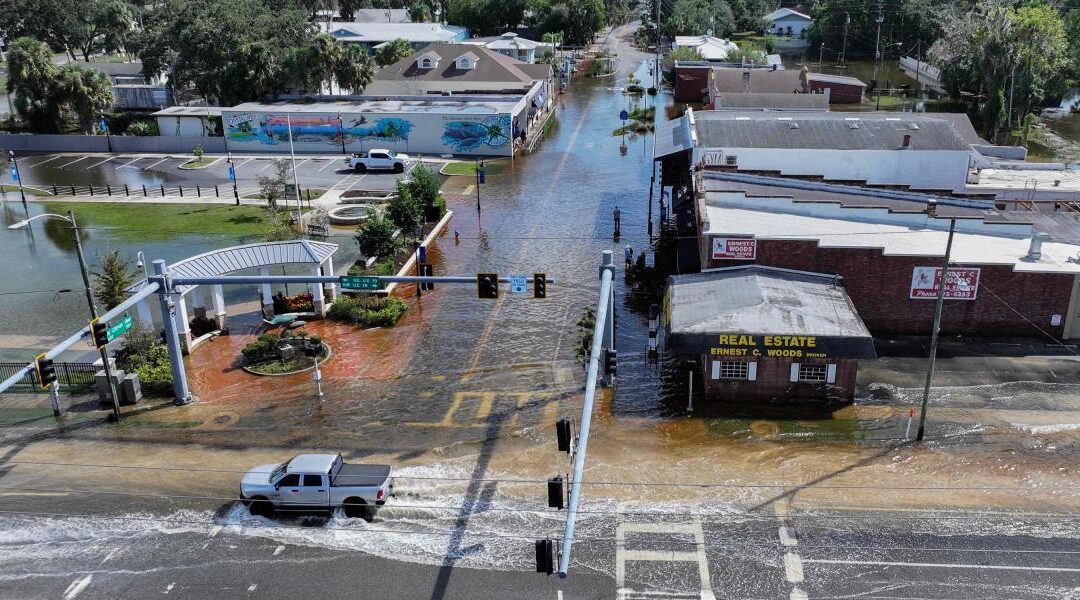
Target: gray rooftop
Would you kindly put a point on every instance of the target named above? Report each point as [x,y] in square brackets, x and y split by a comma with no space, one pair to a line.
[400,104]
[759,300]
[671,137]
[834,131]
[186,111]
[771,101]
[491,67]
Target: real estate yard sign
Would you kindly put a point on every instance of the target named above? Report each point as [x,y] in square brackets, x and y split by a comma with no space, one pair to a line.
[734,248]
[961,284]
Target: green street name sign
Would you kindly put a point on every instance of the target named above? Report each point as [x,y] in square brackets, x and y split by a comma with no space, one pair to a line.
[350,282]
[118,328]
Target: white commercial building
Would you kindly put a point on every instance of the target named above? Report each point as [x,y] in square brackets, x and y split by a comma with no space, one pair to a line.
[512,45]
[709,47]
[372,35]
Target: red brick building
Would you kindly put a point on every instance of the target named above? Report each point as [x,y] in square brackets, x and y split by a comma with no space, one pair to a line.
[766,335]
[1000,284]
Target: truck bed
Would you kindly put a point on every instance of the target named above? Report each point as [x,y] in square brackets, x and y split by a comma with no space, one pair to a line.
[360,475]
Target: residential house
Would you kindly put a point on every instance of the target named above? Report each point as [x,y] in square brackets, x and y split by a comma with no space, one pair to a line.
[512,45]
[708,47]
[789,23]
[372,35]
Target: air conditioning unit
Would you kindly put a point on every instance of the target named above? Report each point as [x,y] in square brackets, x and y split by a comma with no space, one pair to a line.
[731,160]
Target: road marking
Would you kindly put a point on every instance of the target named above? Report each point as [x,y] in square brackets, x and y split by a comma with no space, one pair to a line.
[251,588]
[558,595]
[109,555]
[659,555]
[77,587]
[786,537]
[486,400]
[155,164]
[279,550]
[358,179]
[169,587]
[216,530]
[793,567]
[244,163]
[75,161]
[37,164]
[269,163]
[331,162]
[622,555]
[297,165]
[128,164]
[798,594]
[873,563]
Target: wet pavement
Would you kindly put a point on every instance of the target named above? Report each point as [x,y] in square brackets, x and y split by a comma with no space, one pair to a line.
[461,397]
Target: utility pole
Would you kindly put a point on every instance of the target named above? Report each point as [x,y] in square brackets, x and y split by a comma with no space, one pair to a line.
[843,52]
[15,173]
[820,55]
[656,79]
[932,211]
[877,50]
[296,186]
[1012,88]
[232,176]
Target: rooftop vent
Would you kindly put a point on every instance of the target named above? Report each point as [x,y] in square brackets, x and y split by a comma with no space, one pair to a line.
[914,126]
[852,123]
[793,125]
[1035,249]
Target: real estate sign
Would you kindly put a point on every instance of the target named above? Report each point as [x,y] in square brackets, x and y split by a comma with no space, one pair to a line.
[961,283]
[734,248]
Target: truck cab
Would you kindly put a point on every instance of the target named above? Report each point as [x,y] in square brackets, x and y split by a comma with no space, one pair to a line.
[317,483]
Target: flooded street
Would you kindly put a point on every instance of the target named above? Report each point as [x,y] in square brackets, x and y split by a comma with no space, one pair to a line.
[462,396]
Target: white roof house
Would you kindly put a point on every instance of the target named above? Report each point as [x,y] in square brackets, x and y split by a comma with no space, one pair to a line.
[417,34]
[709,47]
[786,14]
[510,44]
[791,24]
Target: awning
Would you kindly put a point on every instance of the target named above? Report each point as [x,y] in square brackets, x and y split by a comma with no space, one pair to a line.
[541,98]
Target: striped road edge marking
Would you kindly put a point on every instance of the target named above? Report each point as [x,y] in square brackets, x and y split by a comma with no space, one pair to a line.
[882,563]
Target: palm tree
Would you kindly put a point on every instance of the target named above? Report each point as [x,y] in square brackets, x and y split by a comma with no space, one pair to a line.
[355,70]
[86,92]
[31,74]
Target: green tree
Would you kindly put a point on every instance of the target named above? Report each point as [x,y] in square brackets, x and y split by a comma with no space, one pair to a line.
[355,70]
[31,75]
[111,279]
[375,236]
[392,52]
[684,53]
[69,25]
[405,209]
[698,17]
[101,24]
[420,13]
[85,92]
[272,187]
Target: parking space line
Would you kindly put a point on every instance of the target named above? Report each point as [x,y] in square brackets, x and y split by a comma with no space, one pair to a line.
[329,163]
[244,163]
[46,160]
[77,587]
[127,164]
[74,161]
[155,164]
[883,563]
[354,184]
[301,163]
[269,163]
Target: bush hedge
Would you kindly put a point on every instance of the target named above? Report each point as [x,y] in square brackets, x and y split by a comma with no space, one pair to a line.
[368,311]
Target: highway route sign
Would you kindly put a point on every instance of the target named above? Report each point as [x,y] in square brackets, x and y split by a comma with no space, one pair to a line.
[353,282]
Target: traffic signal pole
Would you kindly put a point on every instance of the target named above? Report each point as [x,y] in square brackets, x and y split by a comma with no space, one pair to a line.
[603,337]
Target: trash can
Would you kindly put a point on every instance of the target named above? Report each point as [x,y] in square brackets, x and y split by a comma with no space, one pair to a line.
[130,389]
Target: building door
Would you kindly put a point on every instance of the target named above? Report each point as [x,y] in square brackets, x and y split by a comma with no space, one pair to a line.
[1072,318]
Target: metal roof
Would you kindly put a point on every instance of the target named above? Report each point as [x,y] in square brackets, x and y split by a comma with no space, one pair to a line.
[251,256]
[472,104]
[775,101]
[833,131]
[373,33]
[672,137]
[761,300]
[187,111]
[311,463]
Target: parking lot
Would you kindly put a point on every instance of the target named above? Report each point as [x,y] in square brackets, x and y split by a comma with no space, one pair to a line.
[326,172]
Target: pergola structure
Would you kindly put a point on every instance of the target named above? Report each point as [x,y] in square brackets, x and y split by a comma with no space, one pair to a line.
[262,256]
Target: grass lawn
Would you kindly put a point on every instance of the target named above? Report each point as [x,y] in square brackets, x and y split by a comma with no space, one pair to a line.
[159,221]
[199,163]
[491,167]
[316,193]
[28,190]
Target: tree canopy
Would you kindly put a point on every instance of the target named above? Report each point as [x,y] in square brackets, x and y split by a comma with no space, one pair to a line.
[392,52]
[71,26]
[43,94]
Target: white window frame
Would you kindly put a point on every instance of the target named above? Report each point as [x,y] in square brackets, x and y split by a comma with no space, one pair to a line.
[464,64]
[425,63]
[830,374]
[813,373]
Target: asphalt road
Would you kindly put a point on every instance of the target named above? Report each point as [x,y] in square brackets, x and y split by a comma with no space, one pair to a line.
[46,170]
[118,548]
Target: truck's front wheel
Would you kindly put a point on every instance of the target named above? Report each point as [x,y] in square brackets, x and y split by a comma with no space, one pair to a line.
[260,506]
[357,508]
[399,168]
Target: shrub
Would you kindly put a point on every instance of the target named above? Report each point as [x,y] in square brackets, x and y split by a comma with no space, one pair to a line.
[143,128]
[375,235]
[197,151]
[265,346]
[368,311]
[150,363]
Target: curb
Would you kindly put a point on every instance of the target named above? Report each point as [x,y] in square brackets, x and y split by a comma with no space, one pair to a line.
[329,353]
[410,264]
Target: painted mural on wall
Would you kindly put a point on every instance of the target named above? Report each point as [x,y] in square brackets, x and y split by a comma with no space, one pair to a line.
[274,129]
[463,136]
[387,129]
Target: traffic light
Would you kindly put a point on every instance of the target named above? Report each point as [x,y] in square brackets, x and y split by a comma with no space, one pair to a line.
[427,270]
[101,333]
[610,361]
[545,556]
[539,285]
[487,285]
[564,433]
[46,371]
[555,492]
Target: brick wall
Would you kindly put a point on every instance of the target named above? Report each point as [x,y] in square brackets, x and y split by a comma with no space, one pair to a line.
[691,83]
[774,383]
[879,287]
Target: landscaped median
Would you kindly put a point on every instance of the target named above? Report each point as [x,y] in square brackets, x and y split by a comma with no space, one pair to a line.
[458,168]
[162,221]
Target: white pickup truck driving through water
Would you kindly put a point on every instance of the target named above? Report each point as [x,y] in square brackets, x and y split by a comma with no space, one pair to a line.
[378,159]
[317,482]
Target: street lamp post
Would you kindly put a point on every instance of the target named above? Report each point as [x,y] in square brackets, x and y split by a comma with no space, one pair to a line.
[70,218]
[932,211]
[232,176]
[341,133]
[15,173]
[105,128]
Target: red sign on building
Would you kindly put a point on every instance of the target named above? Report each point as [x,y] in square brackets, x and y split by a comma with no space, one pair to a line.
[961,283]
[734,248]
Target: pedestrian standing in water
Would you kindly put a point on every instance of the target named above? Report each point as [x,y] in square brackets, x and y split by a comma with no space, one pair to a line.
[617,214]
[628,255]
[457,238]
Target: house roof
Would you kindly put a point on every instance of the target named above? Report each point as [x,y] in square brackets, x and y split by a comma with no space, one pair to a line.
[976,242]
[771,101]
[731,79]
[375,33]
[506,41]
[761,300]
[672,136]
[185,111]
[470,104]
[786,12]
[490,67]
[710,48]
[841,79]
[835,131]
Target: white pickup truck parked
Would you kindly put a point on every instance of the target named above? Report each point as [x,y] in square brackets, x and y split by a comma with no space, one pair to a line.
[378,159]
[317,482]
